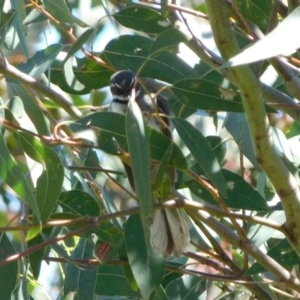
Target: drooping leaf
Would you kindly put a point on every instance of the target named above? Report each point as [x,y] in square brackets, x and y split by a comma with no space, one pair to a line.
[256,11]
[269,46]
[139,149]
[33,17]
[50,181]
[203,153]
[79,43]
[112,282]
[32,110]
[9,272]
[41,61]
[187,287]
[237,126]
[18,27]
[61,12]
[36,258]
[79,280]
[142,259]
[11,174]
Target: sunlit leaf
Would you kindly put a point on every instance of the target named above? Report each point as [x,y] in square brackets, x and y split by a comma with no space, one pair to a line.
[13,177]
[50,181]
[132,51]
[61,12]
[41,61]
[269,46]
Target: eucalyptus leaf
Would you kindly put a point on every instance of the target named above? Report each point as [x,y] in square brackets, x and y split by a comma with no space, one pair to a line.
[11,174]
[142,259]
[203,153]
[51,177]
[269,46]
[142,19]
[78,280]
[139,150]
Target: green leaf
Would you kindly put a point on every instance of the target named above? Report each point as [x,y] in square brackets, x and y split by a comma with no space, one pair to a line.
[168,39]
[89,74]
[256,11]
[19,29]
[237,126]
[112,127]
[111,282]
[11,174]
[159,144]
[78,280]
[160,172]
[36,258]
[240,194]
[269,46]
[49,183]
[61,12]
[139,149]
[142,19]
[34,16]
[148,268]
[206,95]
[218,145]
[79,43]
[33,111]
[187,287]
[127,52]
[132,52]
[203,153]
[111,207]
[179,109]
[41,61]
[283,253]
[127,268]
[79,203]
[9,273]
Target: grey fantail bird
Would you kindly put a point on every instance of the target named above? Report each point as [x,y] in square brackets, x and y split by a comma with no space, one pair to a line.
[169,231]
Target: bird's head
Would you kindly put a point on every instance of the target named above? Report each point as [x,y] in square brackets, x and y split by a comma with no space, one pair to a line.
[121,84]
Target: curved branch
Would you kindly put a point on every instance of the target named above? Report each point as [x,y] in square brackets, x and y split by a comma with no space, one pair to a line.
[10,71]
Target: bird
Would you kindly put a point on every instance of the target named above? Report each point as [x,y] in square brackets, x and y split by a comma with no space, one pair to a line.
[169,233]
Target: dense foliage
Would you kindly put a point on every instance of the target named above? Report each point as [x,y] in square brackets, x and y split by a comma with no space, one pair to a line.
[65,198]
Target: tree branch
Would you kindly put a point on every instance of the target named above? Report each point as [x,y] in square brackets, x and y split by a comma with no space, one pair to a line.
[250,89]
